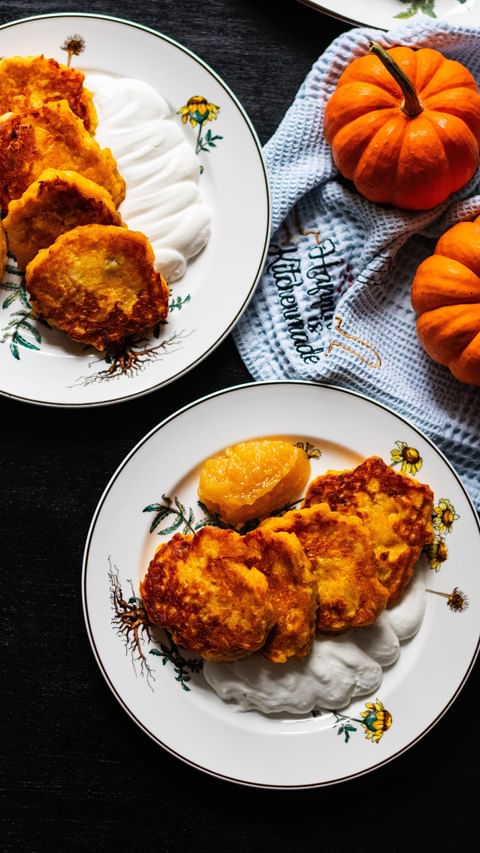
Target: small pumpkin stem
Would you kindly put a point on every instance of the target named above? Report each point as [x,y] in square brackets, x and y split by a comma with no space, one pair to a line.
[411,103]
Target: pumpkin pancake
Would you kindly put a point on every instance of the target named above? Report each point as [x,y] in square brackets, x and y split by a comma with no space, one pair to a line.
[52,136]
[98,284]
[202,589]
[350,594]
[224,596]
[394,509]
[57,202]
[292,591]
[27,82]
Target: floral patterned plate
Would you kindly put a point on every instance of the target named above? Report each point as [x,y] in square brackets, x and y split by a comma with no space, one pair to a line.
[41,365]
[153,494]
[387,14]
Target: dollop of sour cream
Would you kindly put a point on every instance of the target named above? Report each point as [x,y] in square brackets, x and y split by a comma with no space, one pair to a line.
[160,168]
[337,670]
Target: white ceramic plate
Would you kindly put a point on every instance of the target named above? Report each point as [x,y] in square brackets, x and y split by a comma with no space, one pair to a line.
[218,283]
[384,14]
[194,724]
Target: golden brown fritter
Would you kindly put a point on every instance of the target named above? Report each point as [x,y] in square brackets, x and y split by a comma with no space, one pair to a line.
[98,284]
[350,594]
[3,251]
[57,202]
[394,509]
[52,137]
[27,82]
[203,591]
[292,591]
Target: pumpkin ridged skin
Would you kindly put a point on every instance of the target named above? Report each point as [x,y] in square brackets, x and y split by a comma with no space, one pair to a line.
[467,366]
[413,162]
[462,243]
[446,298]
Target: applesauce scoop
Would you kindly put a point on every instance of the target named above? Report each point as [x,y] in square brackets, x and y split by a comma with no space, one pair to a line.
[252,479]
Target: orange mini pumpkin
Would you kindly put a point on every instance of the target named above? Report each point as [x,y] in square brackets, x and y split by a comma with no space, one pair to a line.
[446,298]
[404,126]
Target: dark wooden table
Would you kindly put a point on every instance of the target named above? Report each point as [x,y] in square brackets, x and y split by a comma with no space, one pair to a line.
[77,774]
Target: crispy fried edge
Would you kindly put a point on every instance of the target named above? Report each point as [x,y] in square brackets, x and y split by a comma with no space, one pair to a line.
[79,98]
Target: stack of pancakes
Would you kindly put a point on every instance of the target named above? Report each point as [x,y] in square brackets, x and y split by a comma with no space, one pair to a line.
[85,272]
[333,564]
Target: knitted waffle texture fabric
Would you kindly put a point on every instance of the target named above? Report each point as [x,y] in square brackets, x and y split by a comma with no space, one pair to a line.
[333,303]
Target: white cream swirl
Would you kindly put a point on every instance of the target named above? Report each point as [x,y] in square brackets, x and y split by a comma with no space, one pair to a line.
[160,169]
[337,670]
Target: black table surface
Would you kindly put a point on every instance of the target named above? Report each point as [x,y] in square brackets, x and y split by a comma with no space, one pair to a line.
[77,774]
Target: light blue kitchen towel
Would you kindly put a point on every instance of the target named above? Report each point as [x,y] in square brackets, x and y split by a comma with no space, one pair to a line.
[333,303]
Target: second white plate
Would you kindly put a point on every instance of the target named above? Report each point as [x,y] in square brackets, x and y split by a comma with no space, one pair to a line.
[168,697]
[387,14]
[41,365]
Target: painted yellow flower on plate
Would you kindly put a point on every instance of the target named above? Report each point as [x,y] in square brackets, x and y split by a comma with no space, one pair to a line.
[407,457]
[437,552]
[198,110]
[444,515]
[376,721]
